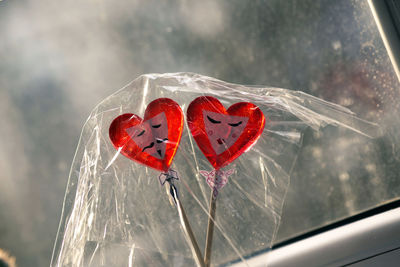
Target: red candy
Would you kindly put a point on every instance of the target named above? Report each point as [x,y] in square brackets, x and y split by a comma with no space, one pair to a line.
[152,141]
[223,135]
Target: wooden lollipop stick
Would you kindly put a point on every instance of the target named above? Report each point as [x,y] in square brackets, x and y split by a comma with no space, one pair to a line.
[210,227]
[186,227]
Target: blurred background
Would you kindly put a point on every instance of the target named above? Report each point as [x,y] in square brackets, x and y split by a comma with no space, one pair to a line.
[58,59]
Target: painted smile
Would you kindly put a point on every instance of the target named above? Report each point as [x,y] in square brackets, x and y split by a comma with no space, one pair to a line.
[149,146]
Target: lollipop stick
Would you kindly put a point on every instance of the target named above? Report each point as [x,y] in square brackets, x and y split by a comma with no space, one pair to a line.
[210,228]
[186,227]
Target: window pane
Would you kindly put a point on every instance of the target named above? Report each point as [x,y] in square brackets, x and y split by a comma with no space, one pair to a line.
[58,60]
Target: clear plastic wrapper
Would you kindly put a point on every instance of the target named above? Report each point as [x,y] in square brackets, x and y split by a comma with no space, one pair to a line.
[117,213]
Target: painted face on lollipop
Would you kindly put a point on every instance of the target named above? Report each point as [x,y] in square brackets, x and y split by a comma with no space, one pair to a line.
[153,140]
[151,135]
[224,134]
[223,130]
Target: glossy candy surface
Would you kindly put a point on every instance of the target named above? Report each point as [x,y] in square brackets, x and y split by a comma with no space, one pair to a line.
[224,134]
[153,140]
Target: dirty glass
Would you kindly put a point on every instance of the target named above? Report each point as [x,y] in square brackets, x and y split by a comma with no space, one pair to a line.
[58,60]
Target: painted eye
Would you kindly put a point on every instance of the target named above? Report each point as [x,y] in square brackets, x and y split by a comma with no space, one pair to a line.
[235,124]
[212,120]
[156,126]
[141,133]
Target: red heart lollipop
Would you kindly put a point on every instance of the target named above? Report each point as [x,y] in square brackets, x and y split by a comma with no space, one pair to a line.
[223,135]
[154,140]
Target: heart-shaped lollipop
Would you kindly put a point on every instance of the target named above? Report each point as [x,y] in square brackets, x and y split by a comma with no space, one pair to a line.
[152,141]
[223,135]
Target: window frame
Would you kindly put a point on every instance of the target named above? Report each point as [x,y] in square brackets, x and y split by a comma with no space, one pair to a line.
[361,241]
